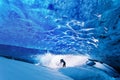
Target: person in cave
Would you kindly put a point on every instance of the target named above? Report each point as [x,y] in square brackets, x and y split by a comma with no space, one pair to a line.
[63,62]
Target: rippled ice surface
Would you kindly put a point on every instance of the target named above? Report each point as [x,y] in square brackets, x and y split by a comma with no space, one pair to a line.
[33,24]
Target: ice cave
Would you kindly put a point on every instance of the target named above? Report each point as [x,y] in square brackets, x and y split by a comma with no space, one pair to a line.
[59,40]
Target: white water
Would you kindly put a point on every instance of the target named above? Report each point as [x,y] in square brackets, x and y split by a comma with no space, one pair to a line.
[53,61]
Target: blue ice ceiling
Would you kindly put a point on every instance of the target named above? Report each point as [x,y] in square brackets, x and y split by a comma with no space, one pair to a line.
[49,25]
[57,25]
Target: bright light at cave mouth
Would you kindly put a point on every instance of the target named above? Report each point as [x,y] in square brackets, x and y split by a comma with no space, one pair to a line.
[53,61]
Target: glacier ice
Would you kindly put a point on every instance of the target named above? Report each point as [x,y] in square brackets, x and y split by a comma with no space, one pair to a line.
[109,39]
[33,27]
[25,71]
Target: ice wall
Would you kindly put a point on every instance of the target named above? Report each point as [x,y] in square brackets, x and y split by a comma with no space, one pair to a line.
[108,28]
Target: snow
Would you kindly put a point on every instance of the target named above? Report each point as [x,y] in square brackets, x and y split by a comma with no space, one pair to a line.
[53,61]
[85,73]
[107,69]
[74,61]
[16,70]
